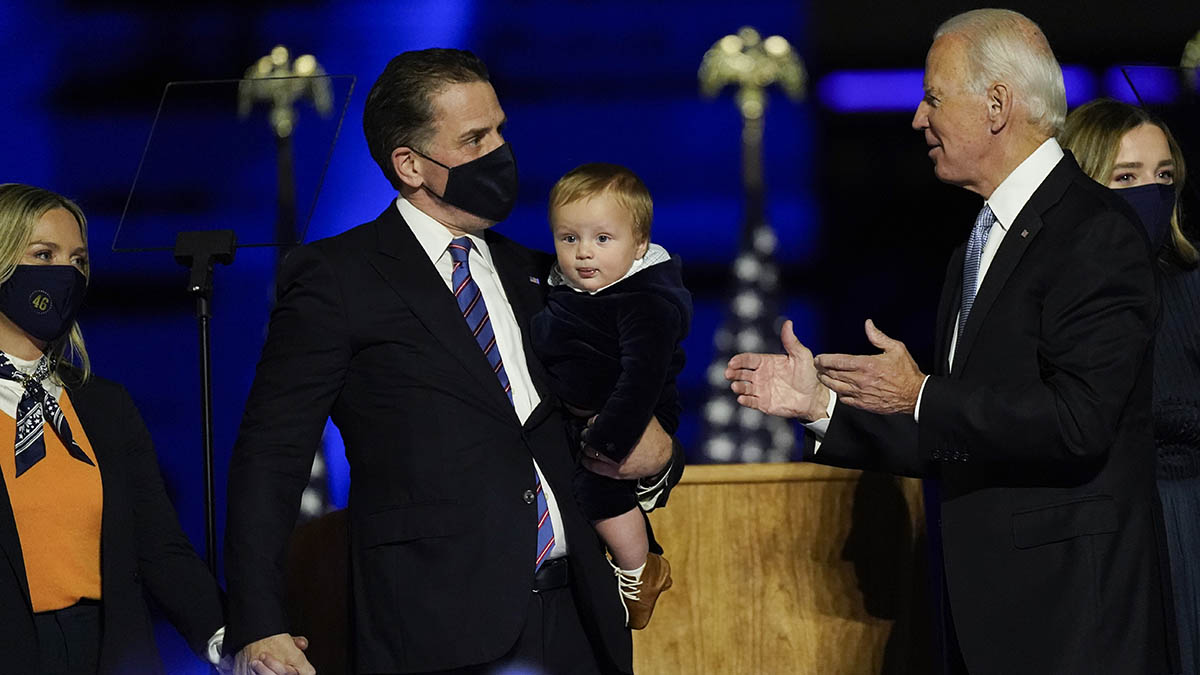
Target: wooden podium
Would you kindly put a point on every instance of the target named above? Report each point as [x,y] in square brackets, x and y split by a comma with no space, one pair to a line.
[778,568]
[790,568]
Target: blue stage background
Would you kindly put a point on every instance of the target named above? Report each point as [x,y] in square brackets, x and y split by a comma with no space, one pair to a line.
[847,182]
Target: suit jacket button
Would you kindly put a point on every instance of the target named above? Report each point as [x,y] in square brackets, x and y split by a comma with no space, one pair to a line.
[529,496]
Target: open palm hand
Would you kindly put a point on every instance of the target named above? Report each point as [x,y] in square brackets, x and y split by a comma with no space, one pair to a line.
[784,385]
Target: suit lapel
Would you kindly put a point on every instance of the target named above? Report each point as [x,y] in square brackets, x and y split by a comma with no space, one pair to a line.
[1020,235]
[1016,240]
[409,272]
[99,427]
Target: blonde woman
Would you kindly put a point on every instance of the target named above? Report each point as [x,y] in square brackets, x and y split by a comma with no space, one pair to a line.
[1127,149]
[85,524]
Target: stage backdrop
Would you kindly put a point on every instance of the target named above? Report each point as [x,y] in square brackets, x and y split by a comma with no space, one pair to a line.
[863,228]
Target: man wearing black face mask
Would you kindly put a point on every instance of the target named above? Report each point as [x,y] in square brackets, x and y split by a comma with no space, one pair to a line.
[467,550]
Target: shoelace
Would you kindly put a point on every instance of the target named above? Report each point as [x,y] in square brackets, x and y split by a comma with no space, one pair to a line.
[630,586]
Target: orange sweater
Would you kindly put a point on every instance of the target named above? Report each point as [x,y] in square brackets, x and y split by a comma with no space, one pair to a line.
[57,505]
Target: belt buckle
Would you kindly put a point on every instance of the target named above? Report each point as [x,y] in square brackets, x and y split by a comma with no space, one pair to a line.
[550,573]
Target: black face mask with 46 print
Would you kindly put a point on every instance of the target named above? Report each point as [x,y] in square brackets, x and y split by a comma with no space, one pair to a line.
[43,299]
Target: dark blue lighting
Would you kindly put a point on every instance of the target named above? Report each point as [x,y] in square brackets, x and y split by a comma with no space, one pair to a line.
[866,91]
[1152,84]
[1080,84]
[855,91]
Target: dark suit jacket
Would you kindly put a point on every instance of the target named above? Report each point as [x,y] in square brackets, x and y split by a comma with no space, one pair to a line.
[442,534]
[1041,435]
[142,548]
[617,353]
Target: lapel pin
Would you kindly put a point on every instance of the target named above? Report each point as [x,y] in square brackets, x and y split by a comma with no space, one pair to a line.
[535,281]
[1024,233]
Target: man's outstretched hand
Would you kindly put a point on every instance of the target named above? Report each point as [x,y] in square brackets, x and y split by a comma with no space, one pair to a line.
[883,383]
[784,385]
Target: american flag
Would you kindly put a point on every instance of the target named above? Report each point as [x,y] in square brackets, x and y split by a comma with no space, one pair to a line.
[751,324]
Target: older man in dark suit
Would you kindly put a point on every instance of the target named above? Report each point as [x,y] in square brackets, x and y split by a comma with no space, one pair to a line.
[1037,415]
[467,550]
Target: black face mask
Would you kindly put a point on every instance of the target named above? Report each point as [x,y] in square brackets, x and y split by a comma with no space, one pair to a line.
[43,299]
[1154,204]
[485,186]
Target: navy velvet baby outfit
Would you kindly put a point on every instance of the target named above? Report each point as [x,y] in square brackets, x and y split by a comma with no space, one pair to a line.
[616,353]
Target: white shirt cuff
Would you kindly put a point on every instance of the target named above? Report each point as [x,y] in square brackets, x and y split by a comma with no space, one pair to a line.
[648,495]
[917,410]
[215,643]
[819,427]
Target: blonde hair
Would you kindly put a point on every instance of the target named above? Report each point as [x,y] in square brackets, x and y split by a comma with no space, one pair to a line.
[1093,134]
[21,207]
[1006,46]
[590,180]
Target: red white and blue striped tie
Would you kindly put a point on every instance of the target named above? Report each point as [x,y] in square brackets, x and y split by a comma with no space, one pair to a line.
[475,312]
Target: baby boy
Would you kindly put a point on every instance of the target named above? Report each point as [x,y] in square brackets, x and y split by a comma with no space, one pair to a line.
[609,336]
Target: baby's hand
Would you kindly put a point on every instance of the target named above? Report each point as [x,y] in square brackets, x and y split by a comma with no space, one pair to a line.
[589,451]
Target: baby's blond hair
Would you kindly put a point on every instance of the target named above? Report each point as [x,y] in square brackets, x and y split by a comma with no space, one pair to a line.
[597,178]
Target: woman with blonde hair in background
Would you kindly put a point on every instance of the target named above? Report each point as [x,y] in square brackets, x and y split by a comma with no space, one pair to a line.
[85,522]
[1129,150]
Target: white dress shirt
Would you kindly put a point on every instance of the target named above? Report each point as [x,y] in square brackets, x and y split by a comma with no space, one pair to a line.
[434,238]
[1006,202]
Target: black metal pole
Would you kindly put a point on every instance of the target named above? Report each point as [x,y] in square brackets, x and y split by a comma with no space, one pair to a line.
[285,220]
[198,251]
[203,318]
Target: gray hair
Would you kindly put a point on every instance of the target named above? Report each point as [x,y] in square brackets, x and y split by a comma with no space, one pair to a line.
[1006,46]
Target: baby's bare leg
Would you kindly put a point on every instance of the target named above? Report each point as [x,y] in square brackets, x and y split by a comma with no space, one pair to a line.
[625,536]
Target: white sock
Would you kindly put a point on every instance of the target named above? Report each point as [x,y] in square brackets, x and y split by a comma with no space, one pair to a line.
[635,575]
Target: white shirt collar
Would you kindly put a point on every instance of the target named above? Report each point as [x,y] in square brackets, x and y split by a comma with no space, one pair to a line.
[1015,190]
[12,391]
[654,255]
[24,365]
[433,237]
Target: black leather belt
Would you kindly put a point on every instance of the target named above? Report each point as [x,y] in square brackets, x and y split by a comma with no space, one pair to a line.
[552,574]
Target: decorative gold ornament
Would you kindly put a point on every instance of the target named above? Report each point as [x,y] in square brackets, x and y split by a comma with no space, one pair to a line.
[1190,61]
[752,64]
[280,81]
